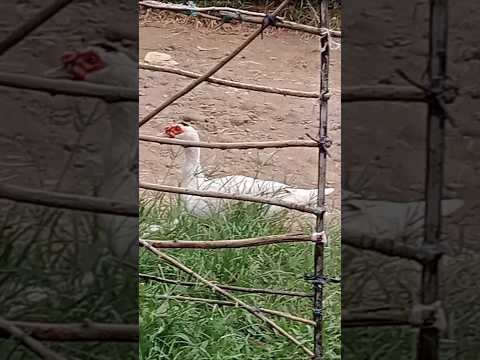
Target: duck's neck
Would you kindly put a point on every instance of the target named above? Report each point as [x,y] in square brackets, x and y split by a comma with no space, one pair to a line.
[192,168]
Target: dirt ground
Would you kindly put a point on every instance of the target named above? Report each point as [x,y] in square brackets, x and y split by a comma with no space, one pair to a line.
[282,59]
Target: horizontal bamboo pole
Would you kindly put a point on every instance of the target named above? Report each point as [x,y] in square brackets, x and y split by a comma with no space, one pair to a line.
[391,248]
[228,244]
[40,17]
[178,7]
[228,146]
[382,93]
[251,309]
[34,345]
[219,195]
[230,303]
[68,87]
[375,318]
[242,15]
[77,332]
[67,201]
[228,287]
[234,84]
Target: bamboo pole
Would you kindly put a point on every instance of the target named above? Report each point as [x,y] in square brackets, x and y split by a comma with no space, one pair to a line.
[234,84]
[172,261]
[213,70]
[241,15]
[67,201]
[220,195]
[383,93]
[230,303]
[228,244]
[229,146]
[429,338]
[392,248]
[68,87]
[34,345]
[322,172]
[179,7]
[30,25]
[87,331]
[228,287]
[380,318]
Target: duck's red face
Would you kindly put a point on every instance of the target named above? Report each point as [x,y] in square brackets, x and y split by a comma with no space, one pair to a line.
[173,130]
[79,65]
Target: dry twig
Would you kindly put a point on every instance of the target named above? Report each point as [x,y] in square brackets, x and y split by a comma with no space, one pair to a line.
[228,287]
[69,87]
[23,30]
[226,146]
[215,194]
[241,15]
[229,244]
[76,332]
[230,303]
[34,345]
[392,248]
[234,84]
[67,201]
[382,93]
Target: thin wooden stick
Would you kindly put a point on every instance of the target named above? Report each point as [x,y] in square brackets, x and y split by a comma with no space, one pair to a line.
[172,261]
[230,303]
[391,248]
[246,16]
[383,93]
[229,287]
[234,84]
[77,332]
[38,19]
[429,338]
[213,70]
[215,194]
[168,6]
[296,27]
[229,244]
[227,146]
[318,266]
[34,345]
[68,87]
[376,318]
[67,201]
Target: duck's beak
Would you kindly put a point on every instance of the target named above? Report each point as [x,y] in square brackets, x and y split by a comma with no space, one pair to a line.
[58,72]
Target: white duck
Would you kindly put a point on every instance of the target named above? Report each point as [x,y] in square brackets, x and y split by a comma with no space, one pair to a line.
[106,63]
[194,178]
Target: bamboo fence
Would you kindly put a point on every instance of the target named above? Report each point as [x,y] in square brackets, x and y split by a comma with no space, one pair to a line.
[318,238]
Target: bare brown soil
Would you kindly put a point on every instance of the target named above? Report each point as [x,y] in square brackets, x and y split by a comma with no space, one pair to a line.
[282,59]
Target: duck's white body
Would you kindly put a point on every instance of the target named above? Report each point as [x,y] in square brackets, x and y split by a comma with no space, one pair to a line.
[194,178]
[387,220]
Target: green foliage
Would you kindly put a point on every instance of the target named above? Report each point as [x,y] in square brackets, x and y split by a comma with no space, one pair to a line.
[183,330]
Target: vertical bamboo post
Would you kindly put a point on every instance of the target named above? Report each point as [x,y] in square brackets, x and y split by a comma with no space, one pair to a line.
[323,119]
[428,339]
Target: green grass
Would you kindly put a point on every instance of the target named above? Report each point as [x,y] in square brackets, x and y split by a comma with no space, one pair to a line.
[192,331]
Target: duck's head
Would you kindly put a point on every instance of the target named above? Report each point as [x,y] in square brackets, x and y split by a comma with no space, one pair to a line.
[182,131]
[101,63]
